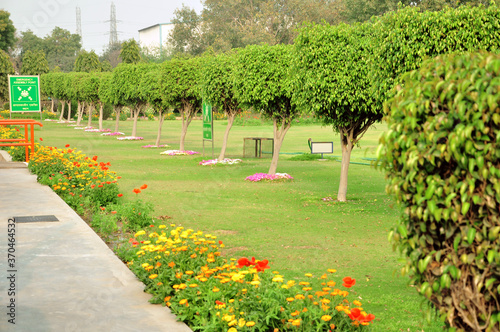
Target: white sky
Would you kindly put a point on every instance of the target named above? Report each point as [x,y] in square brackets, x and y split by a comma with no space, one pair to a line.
[41,16]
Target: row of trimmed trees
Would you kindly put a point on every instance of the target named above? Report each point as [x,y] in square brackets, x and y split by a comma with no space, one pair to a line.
[343,73]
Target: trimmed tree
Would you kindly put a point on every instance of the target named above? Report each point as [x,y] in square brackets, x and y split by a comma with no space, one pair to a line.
[151,88]
[332,74]
[406,37]
[442,157]
[217,88]
[87,62]
[181,86]
[77,83]
[126,89]
[264,82]
[105,94]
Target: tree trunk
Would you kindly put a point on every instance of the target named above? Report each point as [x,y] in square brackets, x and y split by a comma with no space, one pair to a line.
[52,105]
[63,103]
[117,121]
[187,113]
[346,143]
[69,110]
[230,120]
[160,124]
[90,110]
[135,111]
[101,106]
[279,135]
[78,114]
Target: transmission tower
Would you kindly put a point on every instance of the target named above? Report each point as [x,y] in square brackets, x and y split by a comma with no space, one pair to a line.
[113,34]
[79,23]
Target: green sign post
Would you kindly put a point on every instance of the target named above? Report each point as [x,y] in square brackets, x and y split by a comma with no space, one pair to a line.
[24,94]
[208,125]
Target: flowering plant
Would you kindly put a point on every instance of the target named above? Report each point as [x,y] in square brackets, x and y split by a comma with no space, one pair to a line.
[185,270]
[116,133]
[92,130]
[154,146]
[268,177]
[130,138]
[178,153]
[225,161]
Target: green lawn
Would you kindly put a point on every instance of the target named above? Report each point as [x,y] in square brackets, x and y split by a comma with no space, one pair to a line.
[287,223]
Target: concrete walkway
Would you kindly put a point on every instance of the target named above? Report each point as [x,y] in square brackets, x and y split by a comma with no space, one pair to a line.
[64,276]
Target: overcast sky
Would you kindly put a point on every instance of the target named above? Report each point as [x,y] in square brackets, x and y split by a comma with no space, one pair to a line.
[41,16]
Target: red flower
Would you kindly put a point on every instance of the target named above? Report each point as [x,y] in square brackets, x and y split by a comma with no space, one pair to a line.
[355,314]
[220,242]
[69,151]
[120,195]
[113,212]
[262,265]
[348,282]
[133,242]
[219,302]
[103,208]
[94,158]
[144,186]
[137,191]
[67,146]
[151,225]
[245,262]
[41,139]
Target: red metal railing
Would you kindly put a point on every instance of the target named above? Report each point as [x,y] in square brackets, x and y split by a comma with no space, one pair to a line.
[28,141]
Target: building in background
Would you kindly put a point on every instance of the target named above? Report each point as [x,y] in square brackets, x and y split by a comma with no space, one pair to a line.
[155,38]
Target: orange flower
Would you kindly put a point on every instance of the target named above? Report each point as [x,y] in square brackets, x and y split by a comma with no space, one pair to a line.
[348,282]
[41,139]
[67,146]
[144,186]
[137,191]
[120,195]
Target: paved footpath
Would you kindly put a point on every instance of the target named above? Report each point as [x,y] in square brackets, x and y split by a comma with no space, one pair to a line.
[64,277]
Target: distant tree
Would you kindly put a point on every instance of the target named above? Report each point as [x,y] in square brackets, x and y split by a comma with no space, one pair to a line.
[112,55]
[31,42]
[87,62]
[62,48]
[131,52]
[6,69]
[263,81]
[34,63]
[186,36]
[106,66]
[7,31]
[181,79]
[217,88]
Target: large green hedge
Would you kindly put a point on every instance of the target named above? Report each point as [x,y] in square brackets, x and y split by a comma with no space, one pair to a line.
[442,157]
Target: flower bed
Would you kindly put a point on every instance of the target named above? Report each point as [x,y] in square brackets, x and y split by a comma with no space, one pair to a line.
[178,153]
[268,177]
[184,270]
[130,138]
[154,146]
[116,133]
[225,161]
[92,130]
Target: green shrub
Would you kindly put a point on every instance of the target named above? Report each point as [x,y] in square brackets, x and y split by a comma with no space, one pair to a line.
[442,157]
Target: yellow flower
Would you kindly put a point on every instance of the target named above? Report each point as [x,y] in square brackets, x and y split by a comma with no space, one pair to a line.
[193,285]
[241,322]
[332,270]
[139,233]
[250,324]
[308,275]
[255,282]
[215,289]
[278,278]
[153,276]
[326,318]
[232,329]
[290,299]
[162,226]
[183,301]
[296,322]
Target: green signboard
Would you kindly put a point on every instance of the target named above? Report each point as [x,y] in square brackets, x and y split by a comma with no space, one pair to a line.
[208,131]
[24,94]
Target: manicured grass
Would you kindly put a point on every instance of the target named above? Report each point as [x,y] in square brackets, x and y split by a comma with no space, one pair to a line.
[287,223]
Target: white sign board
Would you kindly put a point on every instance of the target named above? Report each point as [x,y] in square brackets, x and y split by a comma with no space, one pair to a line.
[321,147]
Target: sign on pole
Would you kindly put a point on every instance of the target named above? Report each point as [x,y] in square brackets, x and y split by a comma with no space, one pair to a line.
[208,131]
[24,93]
[208,125]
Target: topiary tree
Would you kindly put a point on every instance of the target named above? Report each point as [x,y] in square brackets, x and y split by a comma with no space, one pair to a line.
[217,88]
[181,80]
[6,69]
[105,94]
[34,63]
[406,37]
[77,84]
[126,89]
[61,90]
[90,94]
[263,81]
[333,81]
[151,88]
[130,52]
[442,157]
